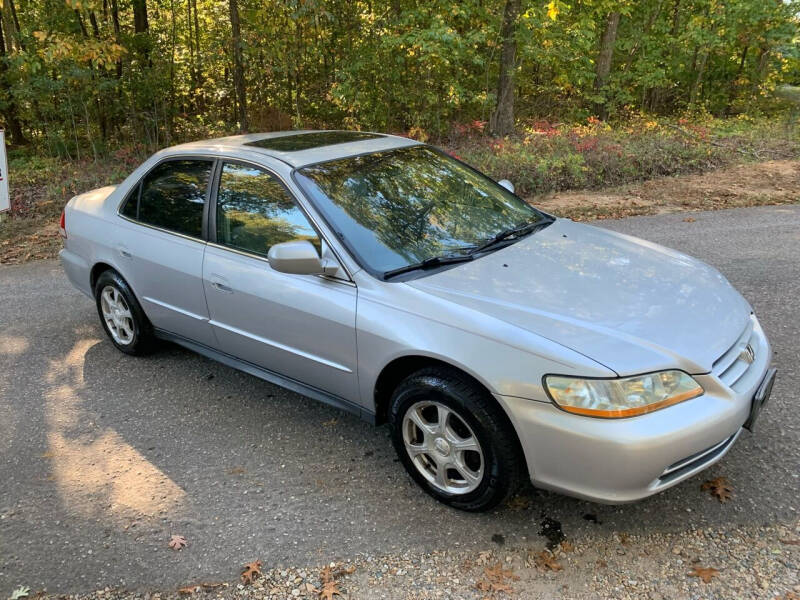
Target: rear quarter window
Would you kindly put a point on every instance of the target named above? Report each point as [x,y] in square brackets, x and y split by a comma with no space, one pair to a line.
[172,196]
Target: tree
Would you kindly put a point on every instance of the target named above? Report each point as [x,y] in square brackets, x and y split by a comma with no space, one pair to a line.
[604,59]
[502,120]
[12,118]
[238,70]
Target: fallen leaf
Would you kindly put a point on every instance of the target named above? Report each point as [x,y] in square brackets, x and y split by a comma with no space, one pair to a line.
[789,542]
[519,503]
[189,589]
[333,421]
[330,587]
[21,592]
[199,587]
[719,488]
[496,579]
[690,219]
[601,564]
[565,547]
[237,471]
[624,539]
[545,560]
[250,571]
[176,542]
[704,573]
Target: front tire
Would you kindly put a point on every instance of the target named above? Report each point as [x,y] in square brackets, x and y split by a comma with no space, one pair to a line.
[122,317]
[454,439]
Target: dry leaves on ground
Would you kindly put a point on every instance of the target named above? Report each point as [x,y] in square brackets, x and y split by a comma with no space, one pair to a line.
[251,571]
[176,542]
[496,580]
[519,503]
[565,547]
[545,560]
[199,587]
[704,573]
[719,488]
[330,587]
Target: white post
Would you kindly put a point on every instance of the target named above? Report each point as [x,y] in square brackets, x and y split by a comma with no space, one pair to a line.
[5,199]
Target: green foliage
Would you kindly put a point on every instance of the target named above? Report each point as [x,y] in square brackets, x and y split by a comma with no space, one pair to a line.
[80,86]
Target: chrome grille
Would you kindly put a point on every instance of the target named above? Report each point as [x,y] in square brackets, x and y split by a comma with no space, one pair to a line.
[731,368]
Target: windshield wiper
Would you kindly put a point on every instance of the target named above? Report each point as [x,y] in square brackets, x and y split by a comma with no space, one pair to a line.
[512,232]
[435,261]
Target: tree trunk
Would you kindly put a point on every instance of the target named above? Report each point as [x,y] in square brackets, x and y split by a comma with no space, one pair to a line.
[140,24]
[604,62]
[502,120]
[238,69]
[11,118]
[16,27]
[199,66]
[698,80]
[117,35]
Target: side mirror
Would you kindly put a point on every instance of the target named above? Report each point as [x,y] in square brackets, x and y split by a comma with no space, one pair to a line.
[506,184]
[299,258]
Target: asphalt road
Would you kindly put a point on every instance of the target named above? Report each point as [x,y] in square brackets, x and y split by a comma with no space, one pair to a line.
[104,456]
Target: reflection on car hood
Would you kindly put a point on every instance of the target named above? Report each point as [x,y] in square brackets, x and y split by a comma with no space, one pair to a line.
[627,303]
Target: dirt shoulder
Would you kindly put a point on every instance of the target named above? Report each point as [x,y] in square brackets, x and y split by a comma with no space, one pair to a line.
[34,235]
[749,184]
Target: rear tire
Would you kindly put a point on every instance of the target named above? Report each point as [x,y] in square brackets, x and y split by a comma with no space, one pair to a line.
[455,440]
[122,317]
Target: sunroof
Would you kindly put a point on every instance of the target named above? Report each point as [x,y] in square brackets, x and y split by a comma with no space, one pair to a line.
[314,139]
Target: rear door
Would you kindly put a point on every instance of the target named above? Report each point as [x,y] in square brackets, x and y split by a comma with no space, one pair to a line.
[162,246]
[300,326]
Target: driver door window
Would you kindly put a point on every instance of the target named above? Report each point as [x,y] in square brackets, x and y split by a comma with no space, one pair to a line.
[255,211]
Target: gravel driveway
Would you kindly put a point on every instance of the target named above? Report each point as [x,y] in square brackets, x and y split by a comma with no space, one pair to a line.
[105,456]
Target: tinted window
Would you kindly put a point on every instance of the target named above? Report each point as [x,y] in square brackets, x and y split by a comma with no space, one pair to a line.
[254,211]
[173,195]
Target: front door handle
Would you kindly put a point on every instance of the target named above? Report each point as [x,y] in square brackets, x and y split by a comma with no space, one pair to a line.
[219,283]
[123,251]
[221,287]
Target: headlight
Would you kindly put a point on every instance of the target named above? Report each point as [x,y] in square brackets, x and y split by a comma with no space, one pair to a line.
[627,397]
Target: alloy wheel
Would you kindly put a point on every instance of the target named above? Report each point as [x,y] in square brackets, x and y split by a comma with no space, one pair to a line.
[443,448]
[117,315]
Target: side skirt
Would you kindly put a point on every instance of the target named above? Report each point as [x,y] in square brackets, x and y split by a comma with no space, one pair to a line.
[267,375]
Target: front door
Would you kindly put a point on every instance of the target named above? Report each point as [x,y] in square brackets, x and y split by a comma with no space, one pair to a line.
[299,326]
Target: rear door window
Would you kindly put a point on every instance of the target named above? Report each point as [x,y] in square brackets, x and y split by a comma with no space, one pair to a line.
[173,195]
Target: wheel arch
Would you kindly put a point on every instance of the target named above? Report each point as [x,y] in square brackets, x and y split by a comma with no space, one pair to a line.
[97,269]
[401,367]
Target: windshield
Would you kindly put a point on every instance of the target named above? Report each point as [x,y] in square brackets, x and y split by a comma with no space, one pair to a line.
[407,205]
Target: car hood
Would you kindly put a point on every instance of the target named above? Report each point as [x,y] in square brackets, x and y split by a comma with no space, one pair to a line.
[629,304]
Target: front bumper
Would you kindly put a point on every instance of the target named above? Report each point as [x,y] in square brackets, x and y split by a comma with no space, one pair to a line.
[615,461]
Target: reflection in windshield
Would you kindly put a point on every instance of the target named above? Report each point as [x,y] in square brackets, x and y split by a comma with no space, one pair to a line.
[407,205]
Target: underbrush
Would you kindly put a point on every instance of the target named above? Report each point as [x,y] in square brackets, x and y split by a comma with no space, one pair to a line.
[550,157]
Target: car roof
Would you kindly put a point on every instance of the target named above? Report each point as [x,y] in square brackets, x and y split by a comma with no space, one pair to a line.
[301,147]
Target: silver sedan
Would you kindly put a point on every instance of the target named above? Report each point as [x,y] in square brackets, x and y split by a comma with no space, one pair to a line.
[387,278]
